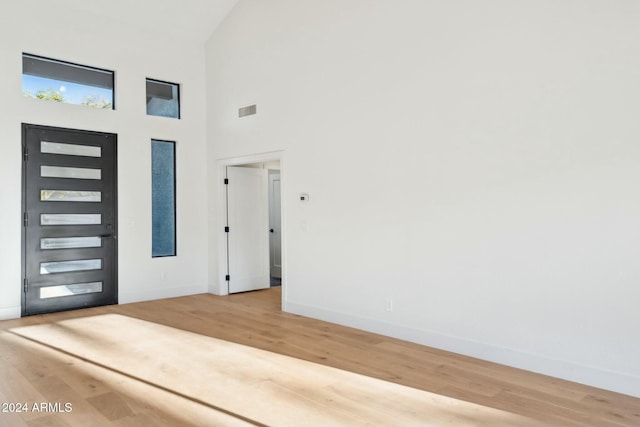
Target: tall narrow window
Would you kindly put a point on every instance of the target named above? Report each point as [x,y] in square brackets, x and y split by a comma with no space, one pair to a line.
[163,198]
[163,99]
[59,81]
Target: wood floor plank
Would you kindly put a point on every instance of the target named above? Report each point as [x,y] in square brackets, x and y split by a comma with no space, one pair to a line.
[47,421]
[107,395]
[111,405]
[624,407]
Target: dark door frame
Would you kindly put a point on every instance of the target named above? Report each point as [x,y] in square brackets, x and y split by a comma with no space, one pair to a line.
[114,229]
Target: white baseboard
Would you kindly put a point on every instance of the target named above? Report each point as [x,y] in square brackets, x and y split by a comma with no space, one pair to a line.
[126,297]
[596,377]
[159,293]
[10,313]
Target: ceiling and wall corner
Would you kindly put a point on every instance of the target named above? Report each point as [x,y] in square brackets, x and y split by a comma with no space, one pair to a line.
[483,167]
[187,21]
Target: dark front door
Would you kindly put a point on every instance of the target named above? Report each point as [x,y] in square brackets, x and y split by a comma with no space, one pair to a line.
[69,200]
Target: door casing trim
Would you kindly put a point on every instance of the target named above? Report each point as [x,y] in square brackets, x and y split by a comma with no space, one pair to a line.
[221,212]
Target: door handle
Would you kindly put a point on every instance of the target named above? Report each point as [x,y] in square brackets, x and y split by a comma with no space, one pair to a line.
[271,230]
[109,228]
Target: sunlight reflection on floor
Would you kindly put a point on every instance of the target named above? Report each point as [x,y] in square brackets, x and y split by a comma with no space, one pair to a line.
[253,386]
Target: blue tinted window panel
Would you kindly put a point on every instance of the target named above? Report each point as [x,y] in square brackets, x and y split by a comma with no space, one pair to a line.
[163,99]
[163,194]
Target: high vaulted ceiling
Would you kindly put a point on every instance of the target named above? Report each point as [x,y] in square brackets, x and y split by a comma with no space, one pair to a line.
[184,19]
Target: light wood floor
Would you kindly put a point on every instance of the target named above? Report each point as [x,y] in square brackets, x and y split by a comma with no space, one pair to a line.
[238,360]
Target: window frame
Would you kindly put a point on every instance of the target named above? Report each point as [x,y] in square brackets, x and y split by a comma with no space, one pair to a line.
[178,96]
[73,64]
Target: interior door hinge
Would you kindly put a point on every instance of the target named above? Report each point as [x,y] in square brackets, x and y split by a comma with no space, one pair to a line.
[26,285]
[227,278]
[226,181]
[226,229]
[25,153]
[26,219]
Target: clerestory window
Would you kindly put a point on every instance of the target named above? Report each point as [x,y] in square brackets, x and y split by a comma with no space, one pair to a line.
[59,81]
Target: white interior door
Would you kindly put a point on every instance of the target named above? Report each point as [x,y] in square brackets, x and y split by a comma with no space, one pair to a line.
[248,235]
[275,236]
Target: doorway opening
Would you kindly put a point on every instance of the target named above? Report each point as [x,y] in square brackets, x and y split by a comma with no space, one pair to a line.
[253,240]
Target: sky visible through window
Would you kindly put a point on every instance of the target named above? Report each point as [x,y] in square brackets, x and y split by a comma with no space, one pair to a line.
[70,93]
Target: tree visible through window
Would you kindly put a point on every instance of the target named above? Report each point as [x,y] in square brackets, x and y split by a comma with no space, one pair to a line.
[58,81]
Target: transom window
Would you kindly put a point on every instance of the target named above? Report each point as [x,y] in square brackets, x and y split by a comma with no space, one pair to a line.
[163,99]
[60,81]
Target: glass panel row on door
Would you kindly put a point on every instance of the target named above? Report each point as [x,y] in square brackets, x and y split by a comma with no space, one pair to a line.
[69,239]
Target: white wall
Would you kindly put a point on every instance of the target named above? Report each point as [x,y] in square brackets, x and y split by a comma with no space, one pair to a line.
[475,162]
[40,28]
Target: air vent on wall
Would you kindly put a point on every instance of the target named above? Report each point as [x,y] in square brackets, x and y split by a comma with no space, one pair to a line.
[247,111]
